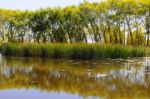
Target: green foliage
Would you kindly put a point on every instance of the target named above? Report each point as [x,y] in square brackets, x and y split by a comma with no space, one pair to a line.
[113,25]
[108,21]
[74,51]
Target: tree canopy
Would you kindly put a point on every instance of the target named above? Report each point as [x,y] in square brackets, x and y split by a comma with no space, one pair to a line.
[108,21]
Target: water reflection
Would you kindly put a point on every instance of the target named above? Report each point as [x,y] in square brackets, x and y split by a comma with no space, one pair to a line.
[75,79]
[26,94]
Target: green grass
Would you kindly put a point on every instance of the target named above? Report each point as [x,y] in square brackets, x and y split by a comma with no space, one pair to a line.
[72,51]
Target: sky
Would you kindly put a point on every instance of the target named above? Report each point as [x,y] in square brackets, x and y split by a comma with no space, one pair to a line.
[36,4]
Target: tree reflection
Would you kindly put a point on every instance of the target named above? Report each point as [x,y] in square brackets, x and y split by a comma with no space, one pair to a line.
[102,80]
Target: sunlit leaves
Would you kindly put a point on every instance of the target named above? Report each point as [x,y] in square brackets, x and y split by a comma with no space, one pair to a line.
[107,21]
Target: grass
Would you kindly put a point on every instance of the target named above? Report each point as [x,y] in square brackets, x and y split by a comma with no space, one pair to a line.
[71,51]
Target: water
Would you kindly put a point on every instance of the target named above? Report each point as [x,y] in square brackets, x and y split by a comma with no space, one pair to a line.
[30,78]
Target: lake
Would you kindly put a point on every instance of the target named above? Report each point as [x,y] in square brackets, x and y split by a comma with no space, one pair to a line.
[35,78]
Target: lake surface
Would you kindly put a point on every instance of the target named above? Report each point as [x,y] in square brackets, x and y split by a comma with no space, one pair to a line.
[30,78]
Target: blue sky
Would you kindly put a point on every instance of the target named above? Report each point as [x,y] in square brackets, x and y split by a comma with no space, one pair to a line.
[36,4]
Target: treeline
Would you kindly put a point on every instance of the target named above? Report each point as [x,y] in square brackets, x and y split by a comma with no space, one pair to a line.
[108,22]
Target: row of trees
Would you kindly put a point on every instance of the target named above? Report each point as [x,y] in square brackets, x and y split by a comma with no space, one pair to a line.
[109,21]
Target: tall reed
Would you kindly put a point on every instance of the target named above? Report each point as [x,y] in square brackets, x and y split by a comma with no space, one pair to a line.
[72,51]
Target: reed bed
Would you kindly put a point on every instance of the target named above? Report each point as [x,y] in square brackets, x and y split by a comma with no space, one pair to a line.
[72,51]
